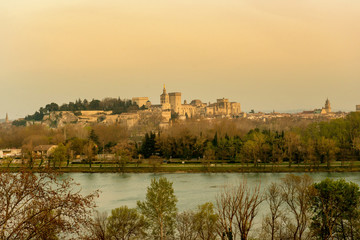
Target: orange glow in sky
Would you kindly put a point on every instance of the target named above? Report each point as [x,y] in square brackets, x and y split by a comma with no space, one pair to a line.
[267,55]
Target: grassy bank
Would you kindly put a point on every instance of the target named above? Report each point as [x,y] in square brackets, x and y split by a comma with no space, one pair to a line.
[195,168]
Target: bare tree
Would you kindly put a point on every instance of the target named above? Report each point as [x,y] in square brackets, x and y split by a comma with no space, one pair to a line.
[97,228]
[248,205]
[272,222]
[296,193]
[237,207]
[185,226]
[226,205]
[41,207]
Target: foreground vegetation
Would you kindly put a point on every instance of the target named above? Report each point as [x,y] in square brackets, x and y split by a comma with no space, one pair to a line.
[39,206]
[296,208]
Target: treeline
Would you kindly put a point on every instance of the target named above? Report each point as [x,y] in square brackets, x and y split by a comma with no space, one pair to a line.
[228,141]
[295,208]
[116,105]
[315,143]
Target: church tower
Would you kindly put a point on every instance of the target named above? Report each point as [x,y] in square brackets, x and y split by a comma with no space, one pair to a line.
[327,106]
[7,118]
[164,100]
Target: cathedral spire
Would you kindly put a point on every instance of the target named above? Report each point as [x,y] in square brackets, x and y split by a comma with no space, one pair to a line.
[7,118]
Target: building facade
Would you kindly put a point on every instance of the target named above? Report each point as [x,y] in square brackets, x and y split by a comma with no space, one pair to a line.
[140,101]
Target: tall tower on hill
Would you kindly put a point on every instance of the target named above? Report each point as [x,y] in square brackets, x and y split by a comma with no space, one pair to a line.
[164,100]
[7,118]
[327,106]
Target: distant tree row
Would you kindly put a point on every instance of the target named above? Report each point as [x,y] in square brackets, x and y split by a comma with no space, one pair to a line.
[318,142]
[116,105]
[233,140]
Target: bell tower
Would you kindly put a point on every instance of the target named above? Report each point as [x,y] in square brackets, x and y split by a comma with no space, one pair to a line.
[327,106]
[164,100]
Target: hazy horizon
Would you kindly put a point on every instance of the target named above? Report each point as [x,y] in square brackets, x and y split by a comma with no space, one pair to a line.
[281,55]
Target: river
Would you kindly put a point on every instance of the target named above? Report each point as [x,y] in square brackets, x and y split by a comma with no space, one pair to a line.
[191,189]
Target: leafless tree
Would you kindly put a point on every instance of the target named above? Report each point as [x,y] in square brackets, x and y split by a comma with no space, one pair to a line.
[226,205]
[296,193]
[237,208]
[185,226]
[272,222]
[248,205]
[97,228]
[41,207]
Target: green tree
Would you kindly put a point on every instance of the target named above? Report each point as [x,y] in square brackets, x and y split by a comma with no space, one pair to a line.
[326,149]
[94,137]
[148,147]
[59,155]
[292,142]
[123,152]
[90,149]
[159,208]
[335,205]
[205,221]
[126,223]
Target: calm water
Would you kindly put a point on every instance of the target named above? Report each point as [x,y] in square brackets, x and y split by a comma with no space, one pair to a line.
[191,189]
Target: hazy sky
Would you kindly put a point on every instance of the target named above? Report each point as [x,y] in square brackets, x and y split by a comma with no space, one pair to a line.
[265,54]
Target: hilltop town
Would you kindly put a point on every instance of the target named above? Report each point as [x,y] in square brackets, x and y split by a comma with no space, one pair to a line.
[141,112]
[136,129]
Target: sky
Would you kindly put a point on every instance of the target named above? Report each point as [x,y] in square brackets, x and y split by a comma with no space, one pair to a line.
[266,54]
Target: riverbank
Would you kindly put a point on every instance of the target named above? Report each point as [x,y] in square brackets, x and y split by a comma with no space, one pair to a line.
[193,168]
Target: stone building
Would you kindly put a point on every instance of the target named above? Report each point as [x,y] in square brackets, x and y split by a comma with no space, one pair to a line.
[140,101]
[172,101]
[175,101]
[224,107]
[324,110]
[165,100]
[358,108]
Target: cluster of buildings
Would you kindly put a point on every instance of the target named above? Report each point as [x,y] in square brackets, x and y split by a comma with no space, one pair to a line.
[323,113]
[171,104]
[38,152]
[324,110]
